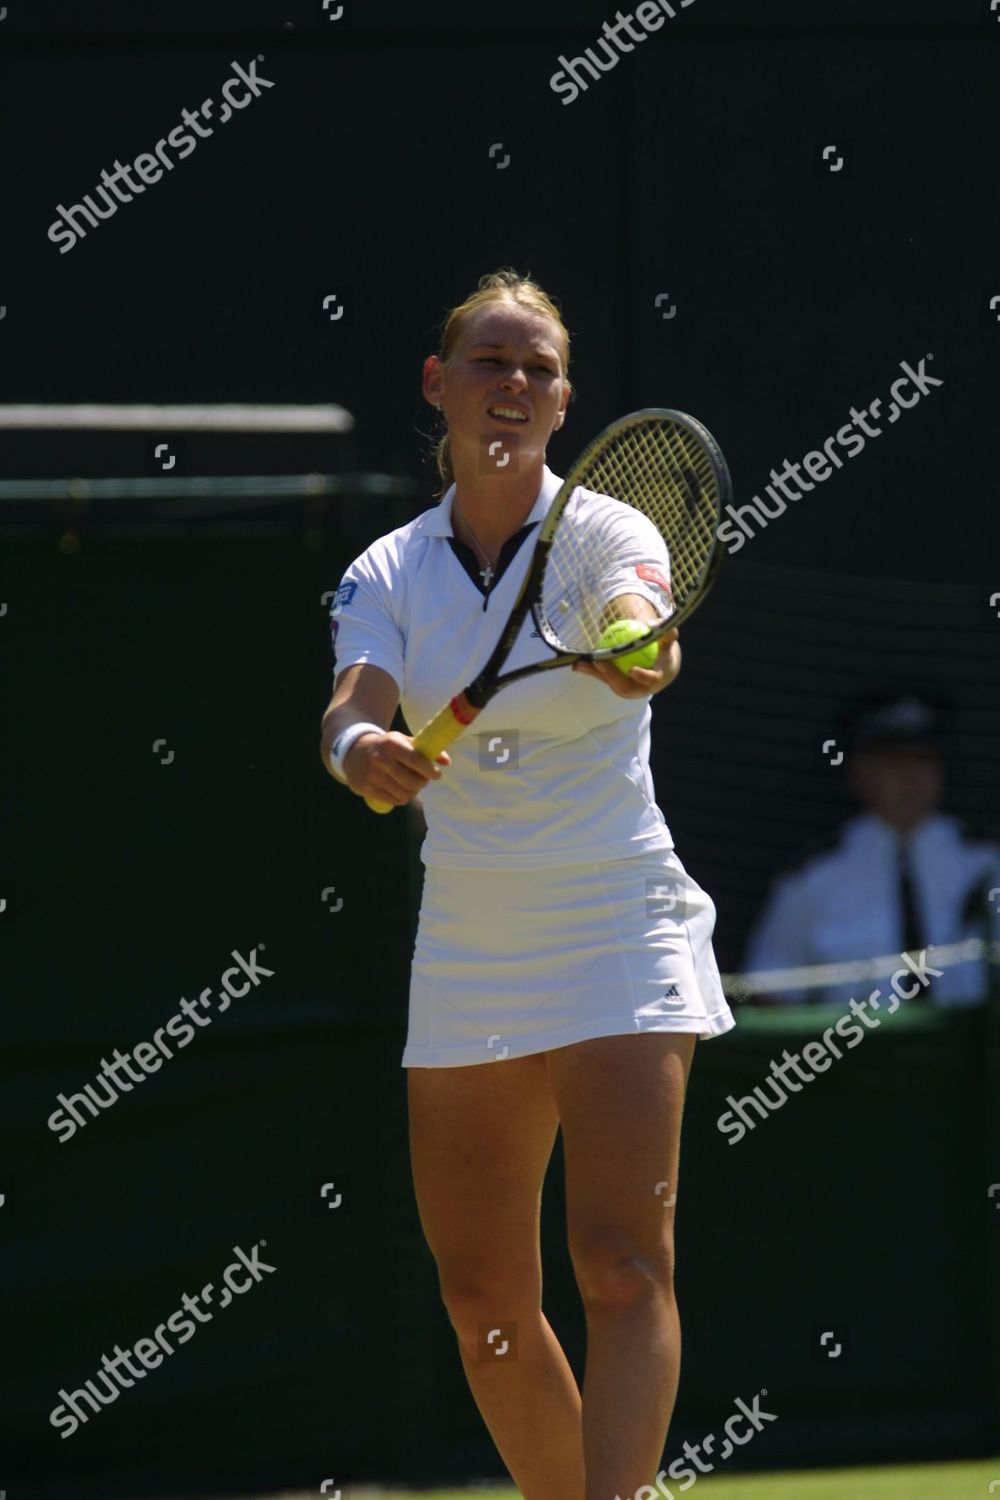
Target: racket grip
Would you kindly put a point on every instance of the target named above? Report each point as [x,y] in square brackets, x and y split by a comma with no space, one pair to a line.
[436,735]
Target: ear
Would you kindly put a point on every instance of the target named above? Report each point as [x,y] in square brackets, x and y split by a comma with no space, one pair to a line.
[561,414]
[433,381]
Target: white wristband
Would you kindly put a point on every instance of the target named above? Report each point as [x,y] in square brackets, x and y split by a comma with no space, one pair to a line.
[343,743]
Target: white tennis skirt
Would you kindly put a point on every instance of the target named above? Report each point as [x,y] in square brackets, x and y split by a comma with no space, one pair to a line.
[510,962]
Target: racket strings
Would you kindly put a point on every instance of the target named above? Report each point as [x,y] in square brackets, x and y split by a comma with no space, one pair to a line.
[660,470]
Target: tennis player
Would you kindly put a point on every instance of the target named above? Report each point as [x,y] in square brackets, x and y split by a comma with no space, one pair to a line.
[563,967]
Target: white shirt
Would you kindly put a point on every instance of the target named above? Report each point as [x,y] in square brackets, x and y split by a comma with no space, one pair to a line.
[556,768]
[846,904]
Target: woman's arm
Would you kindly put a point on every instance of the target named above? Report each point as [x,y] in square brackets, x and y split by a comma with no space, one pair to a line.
[384,767]
[360,693]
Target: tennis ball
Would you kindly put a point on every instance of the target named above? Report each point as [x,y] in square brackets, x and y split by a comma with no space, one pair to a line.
[621,631]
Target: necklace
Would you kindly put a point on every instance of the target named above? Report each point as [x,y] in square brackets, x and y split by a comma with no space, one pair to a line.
[486,574]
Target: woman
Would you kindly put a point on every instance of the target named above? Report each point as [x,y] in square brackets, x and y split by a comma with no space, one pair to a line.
[559,934]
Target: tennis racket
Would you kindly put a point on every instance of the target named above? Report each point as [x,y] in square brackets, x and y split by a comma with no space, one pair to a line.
[654,480]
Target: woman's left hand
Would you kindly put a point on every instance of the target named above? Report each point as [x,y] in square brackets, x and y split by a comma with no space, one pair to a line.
[640,682]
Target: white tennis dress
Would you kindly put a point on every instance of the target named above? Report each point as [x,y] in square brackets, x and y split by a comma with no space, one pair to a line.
[554,907]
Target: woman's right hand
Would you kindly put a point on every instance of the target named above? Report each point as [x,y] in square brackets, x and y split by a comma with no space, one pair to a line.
[386,768]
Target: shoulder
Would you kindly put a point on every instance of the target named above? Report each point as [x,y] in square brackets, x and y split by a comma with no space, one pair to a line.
[820,856]
[594,507]
[975,831]
[397,550]
[975,840]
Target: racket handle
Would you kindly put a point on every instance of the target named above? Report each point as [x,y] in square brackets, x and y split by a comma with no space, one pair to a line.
[436,735]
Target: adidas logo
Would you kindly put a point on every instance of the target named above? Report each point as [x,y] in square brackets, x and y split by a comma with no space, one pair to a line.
[672,993]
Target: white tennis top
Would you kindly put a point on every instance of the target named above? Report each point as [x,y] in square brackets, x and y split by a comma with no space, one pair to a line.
[556,768]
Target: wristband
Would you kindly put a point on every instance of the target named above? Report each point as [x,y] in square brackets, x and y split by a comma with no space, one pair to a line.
[343,743]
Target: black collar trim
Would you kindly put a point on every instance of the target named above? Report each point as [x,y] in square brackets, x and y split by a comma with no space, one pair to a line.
[470,562]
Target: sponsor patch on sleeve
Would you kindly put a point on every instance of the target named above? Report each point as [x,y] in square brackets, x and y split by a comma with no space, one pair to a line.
[343,596]
[649,574]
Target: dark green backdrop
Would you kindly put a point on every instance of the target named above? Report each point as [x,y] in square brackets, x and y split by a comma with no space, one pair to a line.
[860,1208]
[694,170]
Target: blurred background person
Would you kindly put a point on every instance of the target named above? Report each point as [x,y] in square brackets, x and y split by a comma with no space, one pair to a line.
[899,876]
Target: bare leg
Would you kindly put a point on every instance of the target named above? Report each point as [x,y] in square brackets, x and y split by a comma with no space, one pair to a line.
[630,1386]
[620,1100]
[480,1141]
[532,1409]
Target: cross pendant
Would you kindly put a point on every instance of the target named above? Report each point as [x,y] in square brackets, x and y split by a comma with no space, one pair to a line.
[486,574]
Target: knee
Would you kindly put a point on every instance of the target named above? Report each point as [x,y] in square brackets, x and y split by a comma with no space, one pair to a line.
[475,1304]
[612,1270]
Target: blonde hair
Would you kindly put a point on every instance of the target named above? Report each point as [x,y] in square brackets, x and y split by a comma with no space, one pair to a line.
[499,286]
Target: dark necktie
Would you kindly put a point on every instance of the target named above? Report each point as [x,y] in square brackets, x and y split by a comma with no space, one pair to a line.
[908,902]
